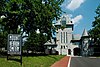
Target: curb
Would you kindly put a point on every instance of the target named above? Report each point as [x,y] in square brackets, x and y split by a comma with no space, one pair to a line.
[69,62]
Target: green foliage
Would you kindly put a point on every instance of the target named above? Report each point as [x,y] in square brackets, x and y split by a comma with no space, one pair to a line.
[3,40]
[42,15]
[2,5]
[35,42]
[28,16]
[96,23]
[95,31]
[9,23]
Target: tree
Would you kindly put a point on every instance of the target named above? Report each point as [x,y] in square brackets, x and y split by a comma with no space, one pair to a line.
[2,5]
[3,38]
[95,31]
[42,14]
[28,16]
[35,42]
[13,16]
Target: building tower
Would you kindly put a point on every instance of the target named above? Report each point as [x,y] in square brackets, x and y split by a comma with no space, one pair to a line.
[84,43]
[64,34]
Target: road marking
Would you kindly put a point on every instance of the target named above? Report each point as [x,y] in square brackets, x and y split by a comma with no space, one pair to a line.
[69,62]
[76,56]
[92,57]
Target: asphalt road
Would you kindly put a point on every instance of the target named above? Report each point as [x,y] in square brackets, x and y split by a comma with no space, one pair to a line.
[84,62]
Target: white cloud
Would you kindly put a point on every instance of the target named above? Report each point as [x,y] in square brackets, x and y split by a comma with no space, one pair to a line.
[74,4]
[76,20]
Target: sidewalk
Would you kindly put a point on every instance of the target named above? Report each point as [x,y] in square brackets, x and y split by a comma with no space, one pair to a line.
[62,63]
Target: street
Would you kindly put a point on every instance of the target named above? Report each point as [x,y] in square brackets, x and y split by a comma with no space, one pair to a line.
[84,62]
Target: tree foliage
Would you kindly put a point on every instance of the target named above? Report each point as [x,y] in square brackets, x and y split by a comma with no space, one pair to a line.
[28,16]
[95,31]
[35,42]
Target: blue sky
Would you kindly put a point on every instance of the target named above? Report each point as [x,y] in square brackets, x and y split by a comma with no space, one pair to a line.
[82,13]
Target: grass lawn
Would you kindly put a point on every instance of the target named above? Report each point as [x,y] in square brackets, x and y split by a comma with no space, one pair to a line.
[37,61]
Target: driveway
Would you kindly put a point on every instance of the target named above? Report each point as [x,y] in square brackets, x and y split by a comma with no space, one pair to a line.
[85,62]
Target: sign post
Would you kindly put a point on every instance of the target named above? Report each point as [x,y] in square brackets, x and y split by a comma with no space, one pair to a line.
[14,46]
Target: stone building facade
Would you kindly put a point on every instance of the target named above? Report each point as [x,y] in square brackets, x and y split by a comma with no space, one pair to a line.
[84,43]
[64,34]
[66,42]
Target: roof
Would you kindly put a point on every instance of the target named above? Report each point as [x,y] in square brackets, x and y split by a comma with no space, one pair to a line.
[85,33]
[48,43]
[75,41]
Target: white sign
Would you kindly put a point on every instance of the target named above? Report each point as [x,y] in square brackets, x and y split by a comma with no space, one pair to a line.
[14,44]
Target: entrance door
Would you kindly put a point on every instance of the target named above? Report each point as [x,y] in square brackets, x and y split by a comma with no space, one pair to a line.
[69,51]
[77,51]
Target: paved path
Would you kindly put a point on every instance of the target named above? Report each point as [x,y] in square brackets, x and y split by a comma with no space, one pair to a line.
[62,63]
[84,62]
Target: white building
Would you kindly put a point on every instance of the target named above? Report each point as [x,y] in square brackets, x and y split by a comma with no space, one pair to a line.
[66,42]
[63,37]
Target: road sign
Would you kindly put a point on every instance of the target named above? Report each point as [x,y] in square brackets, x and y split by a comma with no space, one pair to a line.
[14,44]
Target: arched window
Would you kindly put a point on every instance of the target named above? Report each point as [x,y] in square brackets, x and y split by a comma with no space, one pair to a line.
[63,21]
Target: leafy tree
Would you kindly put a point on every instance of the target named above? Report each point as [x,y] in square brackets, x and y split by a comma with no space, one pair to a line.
[28,16]
[3,40]
[42,14]
[13,16]
[95,31]
[2,5]
[35,42]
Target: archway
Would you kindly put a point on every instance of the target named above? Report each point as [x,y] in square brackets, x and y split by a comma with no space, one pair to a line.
[69,51]
[76,51]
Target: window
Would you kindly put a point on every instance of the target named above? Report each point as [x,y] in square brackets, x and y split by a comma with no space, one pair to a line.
[66,38]
[61,47]
[64,47]
[63,21]
[61,37]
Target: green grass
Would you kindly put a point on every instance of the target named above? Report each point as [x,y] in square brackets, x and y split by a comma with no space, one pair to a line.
[37,61]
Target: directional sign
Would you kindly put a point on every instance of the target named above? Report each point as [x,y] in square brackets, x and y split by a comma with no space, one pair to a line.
[14,44]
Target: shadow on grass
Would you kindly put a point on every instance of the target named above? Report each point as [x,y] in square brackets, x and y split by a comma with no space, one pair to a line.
[3,54]
[33,54]
[53,57]
[15,59]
